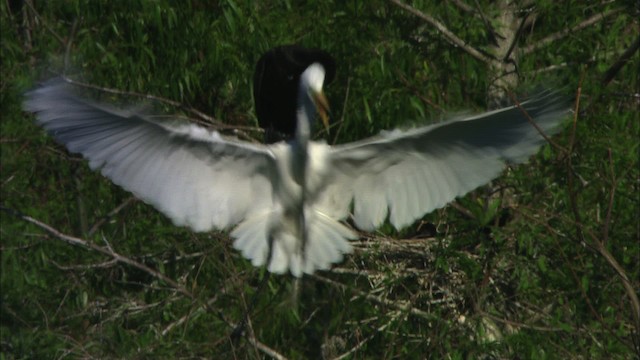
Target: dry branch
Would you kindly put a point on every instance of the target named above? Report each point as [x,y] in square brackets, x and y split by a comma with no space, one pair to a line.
[564,33]
[108,251]
[622,60]
[448,34]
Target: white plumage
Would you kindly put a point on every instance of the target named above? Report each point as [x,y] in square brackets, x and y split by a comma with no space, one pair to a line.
[286,200]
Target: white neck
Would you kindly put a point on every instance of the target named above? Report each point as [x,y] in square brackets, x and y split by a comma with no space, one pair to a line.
[305,116]
[311,81]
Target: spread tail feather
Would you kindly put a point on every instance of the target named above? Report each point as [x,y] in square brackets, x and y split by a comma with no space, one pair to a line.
[326,244]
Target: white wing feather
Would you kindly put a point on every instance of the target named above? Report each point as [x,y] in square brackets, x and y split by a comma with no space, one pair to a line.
[198,178]
[410,173]
[204,181]
[192,175]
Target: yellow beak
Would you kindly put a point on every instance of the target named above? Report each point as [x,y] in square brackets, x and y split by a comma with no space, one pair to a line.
[322,106]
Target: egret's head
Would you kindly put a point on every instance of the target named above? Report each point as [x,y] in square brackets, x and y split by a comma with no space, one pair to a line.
[311,81]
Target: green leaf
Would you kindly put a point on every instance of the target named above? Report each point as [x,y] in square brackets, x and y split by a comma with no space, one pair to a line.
[542,263]
[417,105]
[367,111]
[584,282]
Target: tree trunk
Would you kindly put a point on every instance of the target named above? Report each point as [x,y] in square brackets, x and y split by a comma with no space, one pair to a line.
[503,75]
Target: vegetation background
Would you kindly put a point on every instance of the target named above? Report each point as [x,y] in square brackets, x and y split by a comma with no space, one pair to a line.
[541,263]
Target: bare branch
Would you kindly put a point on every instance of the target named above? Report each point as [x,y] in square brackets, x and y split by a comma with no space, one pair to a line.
[45,23]
[186,317]
[612,194]
[207,120]
[624,58]
[563,33]
[344,110]
[626,282]
[105,251]
[111,214]
[417,92]
[144,96]
[464,6]
[594,246]
[515,38]
[487,24]
[102,265]
[265,349]
[370,337]
[446,32]
[108,251]
[523,325]
[538,128]
[377,299]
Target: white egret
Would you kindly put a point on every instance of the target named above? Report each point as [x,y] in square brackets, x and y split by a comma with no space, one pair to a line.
[275,87]
[285,201]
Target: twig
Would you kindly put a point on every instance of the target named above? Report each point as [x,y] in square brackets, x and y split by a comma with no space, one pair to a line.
[5,307]
[193,313]
[514,41]
[466,212]
[572,135]
[612,194]
[570,178]
[208,120]
[403,307]
[67,50]
[102,265]
[563,33]
[538,128]
[487,24]
[103,250]
[55,35]
[144,96]
[464,7]
[344,110]
[370,337]
[108,251]
[624,58]
[626,283]
[111,214]
[446,32]
[522,325]
[417,93]
[597,247]
[265,349]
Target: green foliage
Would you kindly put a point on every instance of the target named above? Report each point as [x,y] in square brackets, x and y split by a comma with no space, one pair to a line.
[523,268]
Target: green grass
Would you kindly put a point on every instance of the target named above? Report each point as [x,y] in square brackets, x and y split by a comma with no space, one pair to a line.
[536,271]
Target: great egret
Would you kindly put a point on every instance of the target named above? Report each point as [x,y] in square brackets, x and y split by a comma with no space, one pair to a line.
[286,200]
[275,87]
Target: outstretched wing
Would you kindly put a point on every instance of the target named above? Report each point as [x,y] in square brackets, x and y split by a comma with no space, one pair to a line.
[191,174]
[411,173]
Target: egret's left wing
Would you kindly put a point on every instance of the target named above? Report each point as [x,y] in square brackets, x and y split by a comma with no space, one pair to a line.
[191,174]
[411,173]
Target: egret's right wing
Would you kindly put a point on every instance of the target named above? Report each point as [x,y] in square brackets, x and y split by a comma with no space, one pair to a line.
[410,173]
[193,175]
